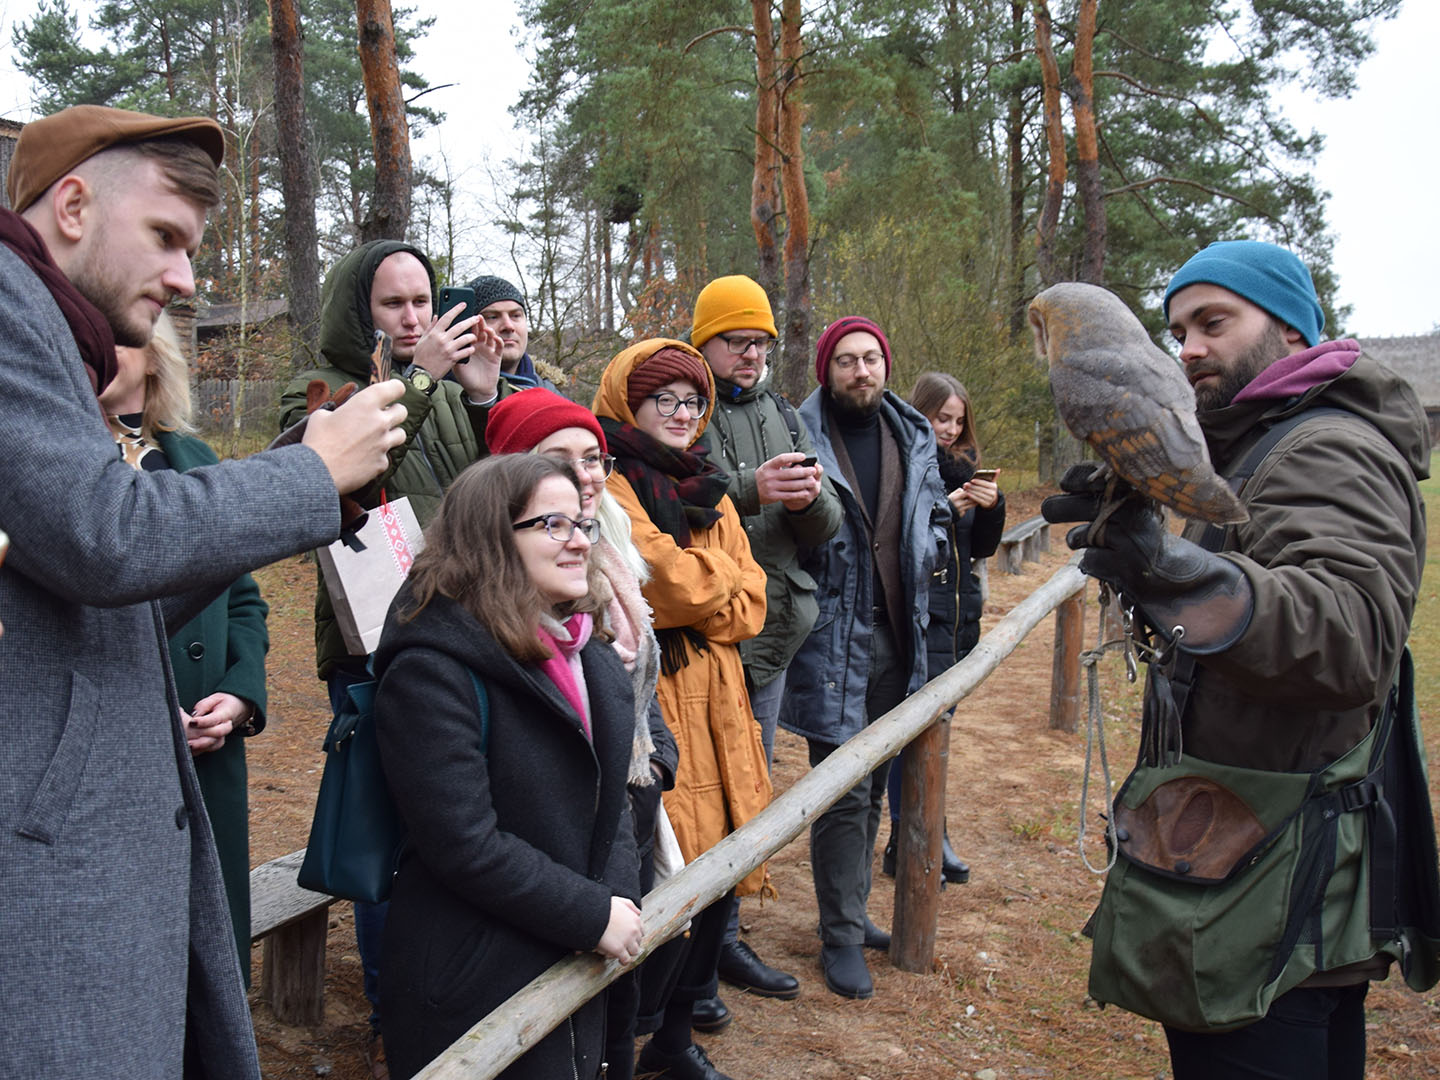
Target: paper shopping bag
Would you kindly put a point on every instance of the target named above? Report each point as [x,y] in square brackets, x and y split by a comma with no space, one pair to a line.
[364,568]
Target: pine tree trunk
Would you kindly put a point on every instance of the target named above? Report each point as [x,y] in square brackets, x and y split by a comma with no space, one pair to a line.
[389,214]
[1087,148]
[1015,144]
[765,187]
[1055,141]
[795,366]
[297,183]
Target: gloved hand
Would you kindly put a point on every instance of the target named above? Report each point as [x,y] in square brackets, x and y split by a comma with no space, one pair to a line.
[1174,582]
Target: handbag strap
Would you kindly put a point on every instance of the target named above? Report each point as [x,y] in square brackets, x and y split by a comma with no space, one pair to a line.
[484,698]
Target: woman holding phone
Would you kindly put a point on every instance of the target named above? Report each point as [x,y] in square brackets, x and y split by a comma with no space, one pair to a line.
[520,849]
[975,529]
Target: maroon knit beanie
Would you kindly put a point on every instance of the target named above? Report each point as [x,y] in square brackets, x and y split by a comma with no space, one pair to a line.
[825,349]
[519,422]
[665,366]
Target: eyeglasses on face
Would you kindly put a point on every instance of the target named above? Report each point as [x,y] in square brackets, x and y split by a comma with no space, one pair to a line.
[668,404]
[562,527]
[594,464]
[739,346]
[846,361]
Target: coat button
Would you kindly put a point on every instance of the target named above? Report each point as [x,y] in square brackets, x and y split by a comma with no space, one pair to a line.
[195,650]
[182,818]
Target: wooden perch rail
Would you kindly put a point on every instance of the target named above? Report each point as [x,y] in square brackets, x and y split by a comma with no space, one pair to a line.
[501,1037]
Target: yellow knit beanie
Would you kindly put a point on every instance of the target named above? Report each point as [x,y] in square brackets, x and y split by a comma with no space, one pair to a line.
[731,303]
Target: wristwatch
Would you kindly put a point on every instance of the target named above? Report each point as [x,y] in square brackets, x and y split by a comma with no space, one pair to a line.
[420,379]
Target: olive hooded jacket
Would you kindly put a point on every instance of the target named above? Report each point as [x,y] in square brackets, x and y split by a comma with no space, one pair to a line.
[716,587]
[440,429]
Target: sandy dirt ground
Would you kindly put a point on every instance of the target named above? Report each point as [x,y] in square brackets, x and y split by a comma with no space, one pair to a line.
[1006,996]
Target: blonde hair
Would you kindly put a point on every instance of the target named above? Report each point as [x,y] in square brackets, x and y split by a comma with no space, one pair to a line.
[167,383]
[615,527]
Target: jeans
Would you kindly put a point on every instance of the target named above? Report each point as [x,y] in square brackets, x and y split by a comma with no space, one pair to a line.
[842,839]
[369,918]
[1308,1034]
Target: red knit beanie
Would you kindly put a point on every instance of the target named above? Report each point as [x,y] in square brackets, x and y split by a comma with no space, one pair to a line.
[825,349]
[519,422]
[665,366]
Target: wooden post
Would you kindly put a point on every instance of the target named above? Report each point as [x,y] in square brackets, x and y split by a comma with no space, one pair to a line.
[293,980]
[1065,693]
[917,850]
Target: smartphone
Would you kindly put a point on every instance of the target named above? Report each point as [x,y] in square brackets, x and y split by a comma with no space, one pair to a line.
[986,474]
[809,461]
[451,295]
[382,357]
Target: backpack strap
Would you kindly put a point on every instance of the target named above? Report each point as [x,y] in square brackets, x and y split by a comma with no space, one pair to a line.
[792,418]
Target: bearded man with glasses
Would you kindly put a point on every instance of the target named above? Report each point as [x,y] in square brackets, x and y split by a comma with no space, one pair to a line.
[786,503]
[868,650]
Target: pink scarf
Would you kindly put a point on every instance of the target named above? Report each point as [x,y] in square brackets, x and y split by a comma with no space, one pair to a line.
[562,667]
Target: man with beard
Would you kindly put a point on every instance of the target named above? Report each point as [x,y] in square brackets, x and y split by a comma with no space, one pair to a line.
[117,957]
[867,651]
[1288,632]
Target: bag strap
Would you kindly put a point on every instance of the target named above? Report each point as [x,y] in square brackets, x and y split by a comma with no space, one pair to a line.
[792,418]
[1182,676]
[484,699]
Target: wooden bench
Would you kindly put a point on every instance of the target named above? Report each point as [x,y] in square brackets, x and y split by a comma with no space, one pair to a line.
[1023,543]
[293,922]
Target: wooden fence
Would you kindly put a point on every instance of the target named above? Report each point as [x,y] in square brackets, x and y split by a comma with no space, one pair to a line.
[217,402]
[522,1021]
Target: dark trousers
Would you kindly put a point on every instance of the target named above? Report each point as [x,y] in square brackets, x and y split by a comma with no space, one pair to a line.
[369,918]
[842,839]
[1308,1034]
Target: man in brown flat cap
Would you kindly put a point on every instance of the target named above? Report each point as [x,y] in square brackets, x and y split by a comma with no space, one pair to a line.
[117,957]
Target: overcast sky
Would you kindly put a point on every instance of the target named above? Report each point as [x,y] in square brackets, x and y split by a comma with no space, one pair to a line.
[1381,162]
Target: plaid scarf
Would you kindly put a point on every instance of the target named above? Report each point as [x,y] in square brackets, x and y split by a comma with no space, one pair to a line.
[679,490]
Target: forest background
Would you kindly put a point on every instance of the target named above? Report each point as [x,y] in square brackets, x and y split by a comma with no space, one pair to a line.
[932,166]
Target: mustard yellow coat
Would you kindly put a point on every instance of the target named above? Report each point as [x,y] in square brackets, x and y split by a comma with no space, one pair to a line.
[716,587]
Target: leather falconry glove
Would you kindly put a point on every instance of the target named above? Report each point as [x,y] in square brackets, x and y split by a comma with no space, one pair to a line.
[1177,585]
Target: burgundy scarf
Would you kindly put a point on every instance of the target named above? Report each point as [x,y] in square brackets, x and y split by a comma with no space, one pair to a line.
[679,489]
[92,333]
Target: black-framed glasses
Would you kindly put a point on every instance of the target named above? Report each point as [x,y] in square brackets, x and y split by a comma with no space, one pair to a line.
[846,361]
[668,404]
[562,527]
[739,346]
[594,464]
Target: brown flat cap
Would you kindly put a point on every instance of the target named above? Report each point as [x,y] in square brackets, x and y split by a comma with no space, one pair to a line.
[51,147]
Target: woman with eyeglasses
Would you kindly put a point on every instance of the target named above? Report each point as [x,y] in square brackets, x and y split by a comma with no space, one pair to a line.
[976,524]
[519,849]
[708,594]
[540,421]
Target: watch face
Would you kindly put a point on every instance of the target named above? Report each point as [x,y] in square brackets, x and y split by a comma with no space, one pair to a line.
[421,380]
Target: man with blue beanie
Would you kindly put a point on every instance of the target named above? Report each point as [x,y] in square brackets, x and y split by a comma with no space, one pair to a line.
[1281,639]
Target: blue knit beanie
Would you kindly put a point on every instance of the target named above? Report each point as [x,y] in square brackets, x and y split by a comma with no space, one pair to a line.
[1268,276]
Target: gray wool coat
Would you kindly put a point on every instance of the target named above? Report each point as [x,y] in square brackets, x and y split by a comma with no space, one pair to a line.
[116,953]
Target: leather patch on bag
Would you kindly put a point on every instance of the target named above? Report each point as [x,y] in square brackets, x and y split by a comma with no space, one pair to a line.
[1190,827]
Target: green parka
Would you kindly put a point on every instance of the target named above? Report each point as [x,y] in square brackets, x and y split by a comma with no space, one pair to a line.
[747,429]
[443,432]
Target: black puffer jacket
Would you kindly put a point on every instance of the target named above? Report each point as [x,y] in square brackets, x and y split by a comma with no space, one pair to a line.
[515,848]
[955,600]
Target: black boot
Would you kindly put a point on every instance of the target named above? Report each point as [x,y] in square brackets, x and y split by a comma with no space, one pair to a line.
[887,861]
[953,869]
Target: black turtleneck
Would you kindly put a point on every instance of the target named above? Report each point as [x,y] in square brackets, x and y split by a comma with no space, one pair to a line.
[862,442]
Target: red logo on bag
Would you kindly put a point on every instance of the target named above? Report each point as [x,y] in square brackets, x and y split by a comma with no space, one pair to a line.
[395,536]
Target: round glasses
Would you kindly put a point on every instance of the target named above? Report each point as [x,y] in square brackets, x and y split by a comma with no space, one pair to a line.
[594,464]
[668,404]
[846,361]
[739,346]
[562,527]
